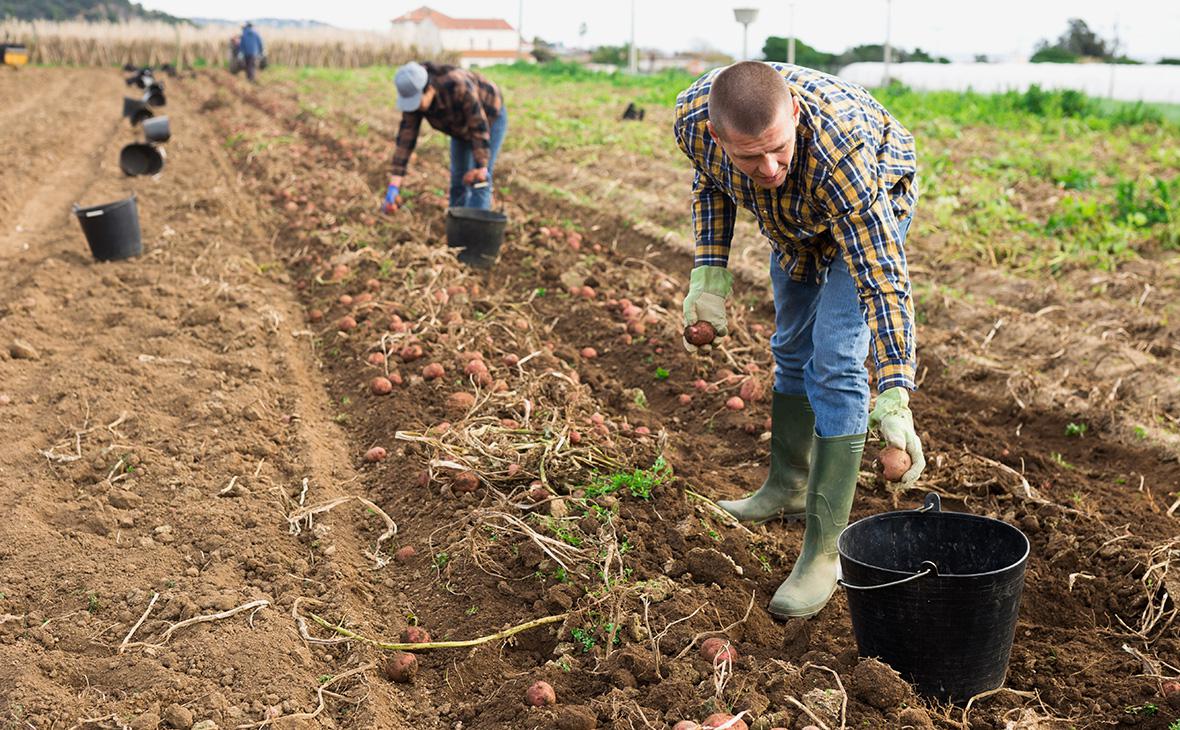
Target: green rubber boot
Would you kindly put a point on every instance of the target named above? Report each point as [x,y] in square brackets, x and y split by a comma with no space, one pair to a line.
[835,463]
[784,493]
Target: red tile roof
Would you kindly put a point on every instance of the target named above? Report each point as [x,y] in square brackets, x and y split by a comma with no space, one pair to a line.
[446,22]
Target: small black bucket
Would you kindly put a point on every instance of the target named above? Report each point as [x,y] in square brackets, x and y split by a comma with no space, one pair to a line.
[112,230]
[141,159]
[157,129]
[136,110]
[479,233]
[935,595]
[154,95]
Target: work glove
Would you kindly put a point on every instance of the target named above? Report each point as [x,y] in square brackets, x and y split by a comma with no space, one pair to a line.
[475,175]
[893,420]
[708,288]
[392,199]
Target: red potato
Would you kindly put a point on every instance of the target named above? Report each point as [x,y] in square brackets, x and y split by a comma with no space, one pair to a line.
[575,437]
[291,206]
[642,431]
[510,423]
[589,353]
[423,479]
[700,384]
[539,494]
[415,635]
[339,272]
[540,694]
[410,353]
[346,323]
[372,285]
[700,334]
[345,300]
[513,469]
[630,311]
[375,454]
[363,298]
[636,327]
[510,360]
[381,386]
[684,399]
[895,463]
[395,378]
[433,371]
[376,358]
[723,721]
[1171,689]
[735,403]
[475,367]
[587,292]
[401,667]
[405,554]
[440,428]
[752,390]
[315,315]
[686,725]
[574,239]
[597,419]
[460,402]
[440,296]
[715,650]
[465,482]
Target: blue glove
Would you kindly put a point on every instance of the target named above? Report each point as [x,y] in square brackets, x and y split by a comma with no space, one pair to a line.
[391,201]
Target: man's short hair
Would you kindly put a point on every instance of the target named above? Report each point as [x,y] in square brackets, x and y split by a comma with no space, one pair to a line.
[746,98]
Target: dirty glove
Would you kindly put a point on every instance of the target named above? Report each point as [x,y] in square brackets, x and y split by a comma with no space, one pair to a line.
[392,199]
[893,420]
[475,175]
[708,288]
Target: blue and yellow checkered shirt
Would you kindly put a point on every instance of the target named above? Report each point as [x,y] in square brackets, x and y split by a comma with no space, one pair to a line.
[852,178]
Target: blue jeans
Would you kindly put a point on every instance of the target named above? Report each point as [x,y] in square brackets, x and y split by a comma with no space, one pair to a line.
[820,344]
[462,160]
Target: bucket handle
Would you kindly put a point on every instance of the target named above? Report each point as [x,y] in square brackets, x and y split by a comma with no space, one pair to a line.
[933,503]
[928,568]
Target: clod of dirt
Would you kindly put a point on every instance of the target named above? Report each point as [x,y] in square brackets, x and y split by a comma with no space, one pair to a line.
[576,717]
[178,717]
[916,718]
[415,635]
[876,684]
[540,694]
[796,637]
[21,350]
[401,667]
[124,499]
[465,482]
[149,720]
[405,554]
[708,566]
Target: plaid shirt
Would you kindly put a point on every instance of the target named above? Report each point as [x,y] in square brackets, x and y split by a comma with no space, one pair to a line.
[463,103]
[852,178]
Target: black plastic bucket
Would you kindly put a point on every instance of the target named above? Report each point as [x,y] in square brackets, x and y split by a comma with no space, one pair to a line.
[135,109]
[154,95]
[112,230]
[479,233]
[141,159]
[157,129]
[935,595]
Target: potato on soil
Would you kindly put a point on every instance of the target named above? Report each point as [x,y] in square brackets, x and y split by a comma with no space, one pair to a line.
[346,323]
[410,353]
[415,635]
[686,725]
[715,649]
[381,386]
[735,403]
[722,720]
[401,667]
[375,454]
[433,370]
[700,334]
[540,694]
[589,353]
[465,481]
[376,358]
[895,463]
[460,402]
[405,554]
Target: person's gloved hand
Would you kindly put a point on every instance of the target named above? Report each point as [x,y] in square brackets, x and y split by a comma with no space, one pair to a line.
[475,175]
[708,288]
[392,200]
[893,419]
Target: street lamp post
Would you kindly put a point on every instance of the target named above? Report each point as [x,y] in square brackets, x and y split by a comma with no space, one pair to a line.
[745,16]
[888,48]
[633,54]
[791,38]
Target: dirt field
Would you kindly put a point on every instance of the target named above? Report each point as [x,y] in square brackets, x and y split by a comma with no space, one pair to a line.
[184,436]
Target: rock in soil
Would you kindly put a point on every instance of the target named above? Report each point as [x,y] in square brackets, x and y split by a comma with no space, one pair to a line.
[178,717]
[22,350]
[876,684]
[916,718]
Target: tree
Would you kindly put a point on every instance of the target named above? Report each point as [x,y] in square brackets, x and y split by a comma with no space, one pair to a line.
[1170,61]
[981,58]
[543,50]
[613,55]
[1077,42]
[775,49]
[1052,54]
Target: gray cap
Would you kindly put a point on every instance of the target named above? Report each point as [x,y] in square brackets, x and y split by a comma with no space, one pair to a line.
[410,81]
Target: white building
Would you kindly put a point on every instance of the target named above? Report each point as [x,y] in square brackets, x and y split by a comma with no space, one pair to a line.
[477,41]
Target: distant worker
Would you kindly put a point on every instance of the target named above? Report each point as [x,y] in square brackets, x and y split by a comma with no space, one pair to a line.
[461,104]
[250,46]
[830,176]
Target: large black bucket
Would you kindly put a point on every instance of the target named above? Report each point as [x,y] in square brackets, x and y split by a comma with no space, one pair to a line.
[479,233]
[157,129]
[935,595]
[141,159]
[154,95]
[112,230]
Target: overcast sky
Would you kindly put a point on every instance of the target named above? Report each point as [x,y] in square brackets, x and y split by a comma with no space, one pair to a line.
[955,28]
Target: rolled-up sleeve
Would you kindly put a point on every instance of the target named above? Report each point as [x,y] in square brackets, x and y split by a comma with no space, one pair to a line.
[869,236]
[713,211]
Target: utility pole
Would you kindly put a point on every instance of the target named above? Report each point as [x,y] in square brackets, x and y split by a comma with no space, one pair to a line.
[745,16]
[888,48]
[633,55]
[791,38]
[520,31]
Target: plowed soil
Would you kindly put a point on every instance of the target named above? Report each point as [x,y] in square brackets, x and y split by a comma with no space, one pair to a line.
[184,436]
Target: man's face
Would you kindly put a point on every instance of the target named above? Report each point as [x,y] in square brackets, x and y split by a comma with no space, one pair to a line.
[765,157]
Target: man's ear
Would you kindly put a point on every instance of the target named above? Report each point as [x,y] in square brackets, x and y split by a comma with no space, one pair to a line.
[795,108]
[712,132]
